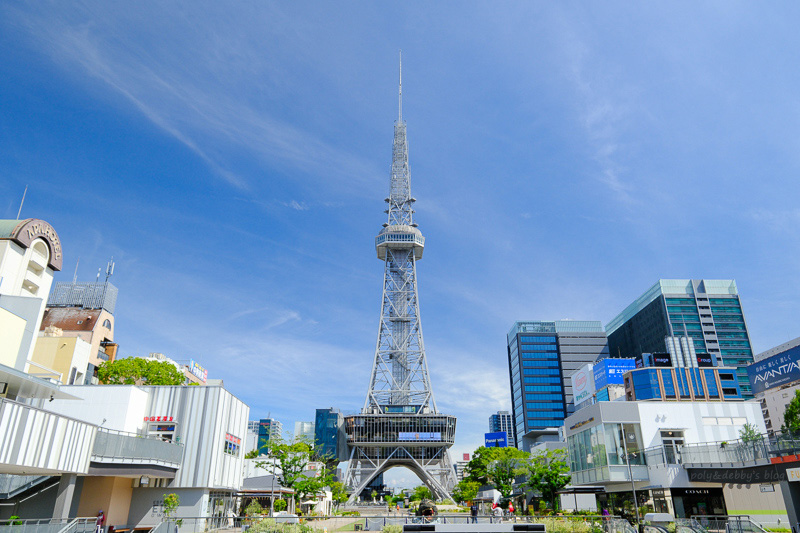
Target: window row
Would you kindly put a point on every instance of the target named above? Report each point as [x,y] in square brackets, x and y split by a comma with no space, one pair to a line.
[540,363]
[543,379]
[530,338]
[539,348]
[542,388]
[541,371]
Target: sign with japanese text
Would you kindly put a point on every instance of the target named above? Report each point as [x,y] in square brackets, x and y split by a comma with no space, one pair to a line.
[775,371]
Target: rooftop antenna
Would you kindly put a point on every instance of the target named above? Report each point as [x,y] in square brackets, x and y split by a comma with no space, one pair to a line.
[110,268]
[75,277]
[22,202]
[97,279]
[400,94]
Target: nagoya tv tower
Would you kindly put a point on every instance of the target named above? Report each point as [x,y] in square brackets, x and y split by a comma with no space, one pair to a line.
[399,424]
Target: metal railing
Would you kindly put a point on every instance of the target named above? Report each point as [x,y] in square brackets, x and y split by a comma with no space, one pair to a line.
[118,446]
[728,524]
[751,452]
[49,525]
[11,485]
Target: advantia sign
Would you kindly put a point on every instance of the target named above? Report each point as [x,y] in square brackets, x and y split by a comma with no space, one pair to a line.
[775,371]
[33,228]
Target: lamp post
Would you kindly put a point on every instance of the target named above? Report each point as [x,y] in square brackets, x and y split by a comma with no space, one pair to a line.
[272,497]
[630,473]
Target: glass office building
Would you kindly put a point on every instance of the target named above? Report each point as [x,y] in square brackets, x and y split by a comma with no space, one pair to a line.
[502,421]
[542,356]
[329,438]
[706,311]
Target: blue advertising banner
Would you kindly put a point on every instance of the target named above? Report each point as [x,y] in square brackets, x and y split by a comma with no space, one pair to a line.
[610,371]
[496,440]
[775,371]
[418,436]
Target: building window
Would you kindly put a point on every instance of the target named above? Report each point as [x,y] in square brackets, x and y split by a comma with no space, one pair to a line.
[107,323]
[232,444]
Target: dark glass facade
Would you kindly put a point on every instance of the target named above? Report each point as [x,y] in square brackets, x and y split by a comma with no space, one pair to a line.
[708,312]
[328,433]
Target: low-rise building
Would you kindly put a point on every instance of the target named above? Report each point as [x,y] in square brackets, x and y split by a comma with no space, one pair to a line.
[130,446]
[637,444]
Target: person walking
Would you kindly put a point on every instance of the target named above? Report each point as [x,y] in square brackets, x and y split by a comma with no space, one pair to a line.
[473,512]
[101,520]
[497,511]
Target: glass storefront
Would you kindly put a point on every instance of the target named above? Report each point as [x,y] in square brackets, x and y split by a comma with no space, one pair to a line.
[591,451]
[698,502]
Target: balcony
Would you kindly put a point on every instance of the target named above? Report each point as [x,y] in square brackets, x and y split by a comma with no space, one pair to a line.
[137,454]
[763,450]
[38,442]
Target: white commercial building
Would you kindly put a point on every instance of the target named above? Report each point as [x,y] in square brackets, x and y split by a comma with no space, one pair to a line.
[30,252]
[130,445]
[618,445]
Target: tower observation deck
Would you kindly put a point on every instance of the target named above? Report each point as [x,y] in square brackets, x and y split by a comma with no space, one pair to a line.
[399,424]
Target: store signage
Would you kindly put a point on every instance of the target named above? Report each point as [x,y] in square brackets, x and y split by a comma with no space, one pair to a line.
[231,438]
[793,474]
[498,439]
[775,371]
[465,457]
[582,384]
[662,359]
[158,419]
[198,370]
[705,359]
[581,424]
[610,371]
[25,234]
[415,436]
[765,487]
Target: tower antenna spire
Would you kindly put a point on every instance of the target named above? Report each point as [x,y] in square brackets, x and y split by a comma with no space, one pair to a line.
[400,396]
[400,95]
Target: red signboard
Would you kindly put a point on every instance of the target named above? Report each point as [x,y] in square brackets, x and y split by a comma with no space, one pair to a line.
[158,419]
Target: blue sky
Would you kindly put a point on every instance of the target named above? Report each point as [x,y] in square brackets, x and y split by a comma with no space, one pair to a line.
[233,160]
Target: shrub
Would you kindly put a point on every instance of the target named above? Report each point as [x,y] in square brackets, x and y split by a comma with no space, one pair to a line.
[392,528]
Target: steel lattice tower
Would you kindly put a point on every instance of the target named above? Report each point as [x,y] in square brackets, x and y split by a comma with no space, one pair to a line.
[399,424]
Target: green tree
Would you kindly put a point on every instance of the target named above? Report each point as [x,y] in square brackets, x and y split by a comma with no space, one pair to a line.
[338,493]
[421,492]
[791,416]
[503,470]
[548,472]
[288,461]
[253,508]
[749,433]
[280,505]
[252,454]
[465,490]
[139,371]
[478,468]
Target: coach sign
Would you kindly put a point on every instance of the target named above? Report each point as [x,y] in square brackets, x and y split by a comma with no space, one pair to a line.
[775,371]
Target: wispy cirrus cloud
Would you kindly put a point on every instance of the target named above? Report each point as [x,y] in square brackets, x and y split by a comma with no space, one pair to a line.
[189,101]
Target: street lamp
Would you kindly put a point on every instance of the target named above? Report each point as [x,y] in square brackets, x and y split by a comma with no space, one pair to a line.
[272,497]
[630,472]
